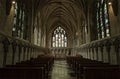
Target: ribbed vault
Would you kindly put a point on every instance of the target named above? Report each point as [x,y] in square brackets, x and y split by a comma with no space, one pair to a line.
[69,14]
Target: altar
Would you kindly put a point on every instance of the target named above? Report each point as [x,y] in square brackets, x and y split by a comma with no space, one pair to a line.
[60,52]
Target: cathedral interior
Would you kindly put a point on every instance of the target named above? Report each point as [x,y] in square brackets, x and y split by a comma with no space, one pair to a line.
[54,39]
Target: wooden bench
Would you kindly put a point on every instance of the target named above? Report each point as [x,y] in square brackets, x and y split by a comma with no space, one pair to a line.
[37,68]
[101,73]
[79,65]
[22,73]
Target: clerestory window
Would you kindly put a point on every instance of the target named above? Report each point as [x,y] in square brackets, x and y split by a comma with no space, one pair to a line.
[102,17]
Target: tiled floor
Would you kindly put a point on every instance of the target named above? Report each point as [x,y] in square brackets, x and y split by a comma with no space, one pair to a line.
[61,70]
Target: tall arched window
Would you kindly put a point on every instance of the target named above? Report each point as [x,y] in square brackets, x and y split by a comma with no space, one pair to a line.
[59,38]
[103,26]
[20,21]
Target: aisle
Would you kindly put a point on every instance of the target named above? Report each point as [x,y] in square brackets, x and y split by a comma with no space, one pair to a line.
[61,70]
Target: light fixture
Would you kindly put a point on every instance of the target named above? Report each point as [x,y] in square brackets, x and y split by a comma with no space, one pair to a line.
[13,29]
[109,3]
[76,33]
[13,2]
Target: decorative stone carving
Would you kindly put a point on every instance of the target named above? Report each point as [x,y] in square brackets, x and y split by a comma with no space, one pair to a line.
[6,44]
[108,45]
[116,44]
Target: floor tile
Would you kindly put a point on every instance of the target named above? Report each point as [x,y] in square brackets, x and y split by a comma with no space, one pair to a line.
[61,70]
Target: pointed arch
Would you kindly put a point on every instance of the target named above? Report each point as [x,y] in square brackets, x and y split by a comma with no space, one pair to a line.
[59,37]
[102,17]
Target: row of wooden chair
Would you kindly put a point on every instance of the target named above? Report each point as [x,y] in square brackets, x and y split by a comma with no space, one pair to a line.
[92,69]
[35,68]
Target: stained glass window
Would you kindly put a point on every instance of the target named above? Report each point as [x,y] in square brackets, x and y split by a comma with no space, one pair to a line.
[103,26]
[59,38]
[15,20]
[19,27]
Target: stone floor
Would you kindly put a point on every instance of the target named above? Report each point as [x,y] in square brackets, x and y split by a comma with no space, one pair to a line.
[61,70]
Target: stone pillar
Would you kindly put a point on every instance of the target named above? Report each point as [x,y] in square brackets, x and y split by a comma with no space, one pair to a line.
[9,56]
[1,54]
[16,59]
[113,56]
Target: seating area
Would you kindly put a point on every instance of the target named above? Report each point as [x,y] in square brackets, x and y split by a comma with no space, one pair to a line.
[92,69]
[42,66]
[59,39]
[35,68]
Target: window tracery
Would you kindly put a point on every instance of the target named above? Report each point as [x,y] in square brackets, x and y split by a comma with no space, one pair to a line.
[102,17]
[59,38]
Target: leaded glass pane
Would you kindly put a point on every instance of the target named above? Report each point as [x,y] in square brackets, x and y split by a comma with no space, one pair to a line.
[103,27]
[60,39]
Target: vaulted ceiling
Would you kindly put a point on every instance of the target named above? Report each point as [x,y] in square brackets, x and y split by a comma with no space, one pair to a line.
[70,14]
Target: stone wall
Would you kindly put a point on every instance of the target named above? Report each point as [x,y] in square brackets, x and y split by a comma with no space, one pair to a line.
[13,50]
[6,21]
[114,19]
[106,50]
